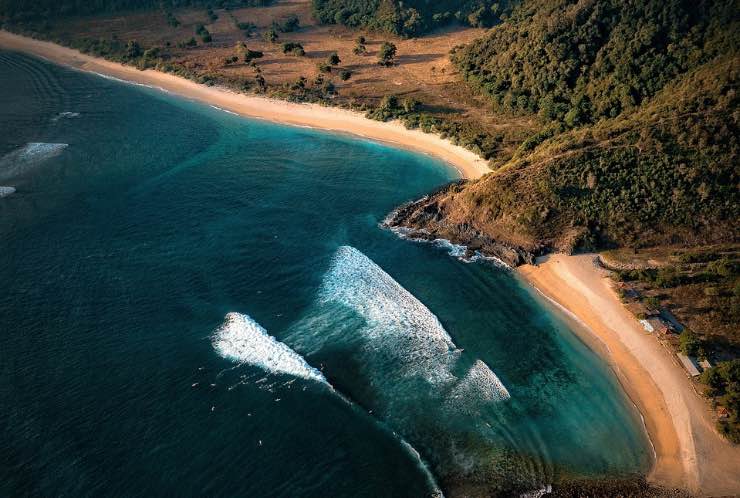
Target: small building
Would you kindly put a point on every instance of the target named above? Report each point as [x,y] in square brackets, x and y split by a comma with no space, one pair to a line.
[723,413]
[689,364]
[668,317]
[646,325]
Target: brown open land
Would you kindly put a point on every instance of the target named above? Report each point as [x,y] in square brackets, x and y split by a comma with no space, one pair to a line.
[423,70]
[690,453]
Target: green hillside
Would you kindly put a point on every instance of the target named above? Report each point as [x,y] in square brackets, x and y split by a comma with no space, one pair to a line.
[638,147]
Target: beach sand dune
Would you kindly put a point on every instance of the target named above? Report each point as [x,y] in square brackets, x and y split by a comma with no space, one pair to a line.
[690,453]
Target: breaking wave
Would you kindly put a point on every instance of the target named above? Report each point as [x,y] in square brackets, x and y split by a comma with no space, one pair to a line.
[393,316]
[6,191]
[244,340]
[22,160]
[397,339]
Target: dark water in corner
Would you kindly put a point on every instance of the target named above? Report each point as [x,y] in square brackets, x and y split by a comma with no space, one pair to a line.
[130,240]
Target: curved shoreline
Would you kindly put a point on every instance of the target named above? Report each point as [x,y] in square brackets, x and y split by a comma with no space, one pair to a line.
[334,119]
[689,453]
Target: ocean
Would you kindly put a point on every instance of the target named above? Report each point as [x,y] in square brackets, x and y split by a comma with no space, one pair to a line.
[195,303]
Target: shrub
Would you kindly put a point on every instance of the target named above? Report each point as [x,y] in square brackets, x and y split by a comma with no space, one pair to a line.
[270,36]
[294,48]
[345,74]
[689,342]
[387,54]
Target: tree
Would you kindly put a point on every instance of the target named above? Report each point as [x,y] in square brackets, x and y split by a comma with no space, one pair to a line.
[133,49]
[360,48]
[270,35]
[294,48]
[387,54]
[323,67]
[345,74]
[411,105]
[690,343]
[333,59]
[261,84]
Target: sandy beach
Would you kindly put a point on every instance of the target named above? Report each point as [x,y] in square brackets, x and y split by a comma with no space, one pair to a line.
[690,454]
[467,163]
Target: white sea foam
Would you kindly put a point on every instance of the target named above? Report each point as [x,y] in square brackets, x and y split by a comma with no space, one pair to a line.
[129,82]
[454,250]
[396,321]
[481,383]
[537,493]
[6,191]
[458,251]
[402,331]
[223,110]
[30,155]
[242,339]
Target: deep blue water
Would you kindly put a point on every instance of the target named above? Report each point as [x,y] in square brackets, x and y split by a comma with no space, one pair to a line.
[123,251]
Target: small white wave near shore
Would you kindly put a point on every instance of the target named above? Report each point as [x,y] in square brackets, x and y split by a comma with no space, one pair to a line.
[242,339]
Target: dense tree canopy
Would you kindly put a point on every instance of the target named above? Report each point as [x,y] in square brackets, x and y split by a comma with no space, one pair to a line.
[580,61]
[408,17]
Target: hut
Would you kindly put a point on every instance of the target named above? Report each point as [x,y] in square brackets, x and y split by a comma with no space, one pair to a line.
[689,364]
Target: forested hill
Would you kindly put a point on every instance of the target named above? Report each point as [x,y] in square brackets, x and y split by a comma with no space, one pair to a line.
[20,9]
[409,17]
[581,61]
[638,143]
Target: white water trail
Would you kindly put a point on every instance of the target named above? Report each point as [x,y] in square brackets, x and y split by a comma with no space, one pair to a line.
[242,339]
[6,191]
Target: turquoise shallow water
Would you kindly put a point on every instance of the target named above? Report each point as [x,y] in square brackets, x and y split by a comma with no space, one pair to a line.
[395,368]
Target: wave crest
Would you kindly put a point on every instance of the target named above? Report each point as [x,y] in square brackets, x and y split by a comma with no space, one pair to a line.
[242,339]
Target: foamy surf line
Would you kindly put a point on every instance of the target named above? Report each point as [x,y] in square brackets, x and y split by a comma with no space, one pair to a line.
[129,82]
[459,251]
[223,110]
[242,339]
